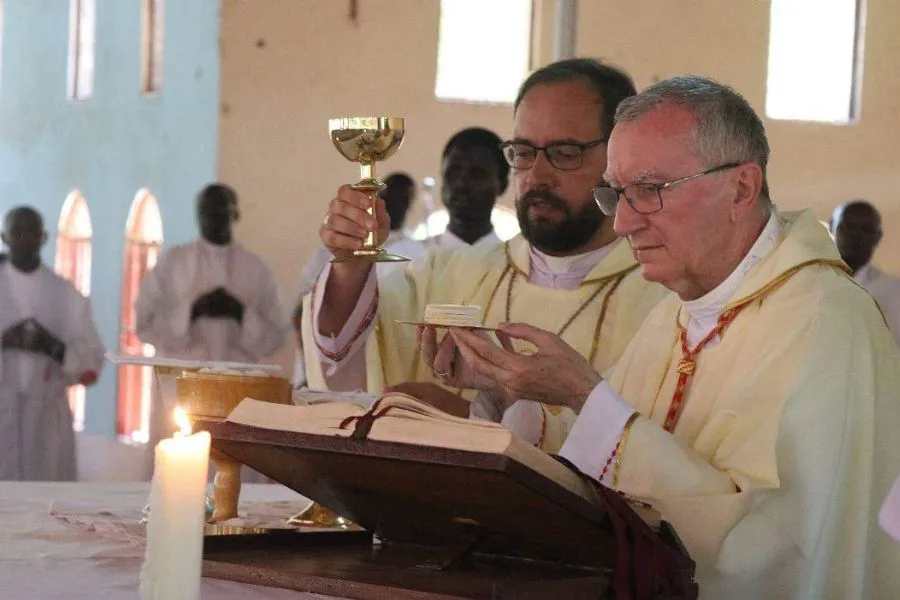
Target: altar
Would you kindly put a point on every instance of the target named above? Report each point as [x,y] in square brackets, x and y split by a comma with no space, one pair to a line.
[79,541]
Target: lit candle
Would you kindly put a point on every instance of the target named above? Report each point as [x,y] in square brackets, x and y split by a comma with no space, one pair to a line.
[174,555]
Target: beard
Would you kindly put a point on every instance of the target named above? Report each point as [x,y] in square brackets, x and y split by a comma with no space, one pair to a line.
[555,237]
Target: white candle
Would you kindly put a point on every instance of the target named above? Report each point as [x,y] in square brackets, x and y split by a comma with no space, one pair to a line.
[174,555]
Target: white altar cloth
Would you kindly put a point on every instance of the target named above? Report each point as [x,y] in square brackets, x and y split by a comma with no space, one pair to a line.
[75,541]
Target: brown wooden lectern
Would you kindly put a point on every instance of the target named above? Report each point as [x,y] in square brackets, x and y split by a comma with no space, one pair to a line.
[447,524]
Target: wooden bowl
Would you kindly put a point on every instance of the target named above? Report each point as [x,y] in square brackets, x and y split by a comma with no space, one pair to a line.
[212,396]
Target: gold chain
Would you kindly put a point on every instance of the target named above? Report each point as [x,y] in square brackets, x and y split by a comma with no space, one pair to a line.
[584,305]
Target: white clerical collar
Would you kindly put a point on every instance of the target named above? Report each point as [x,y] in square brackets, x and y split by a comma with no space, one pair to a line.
[704,311]
[450,239]
[396,236]
[863,274]
[215,248]
[11,268]
[577,264]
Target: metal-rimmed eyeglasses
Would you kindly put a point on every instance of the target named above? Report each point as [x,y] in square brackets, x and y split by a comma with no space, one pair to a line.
[645,198]
[565,156]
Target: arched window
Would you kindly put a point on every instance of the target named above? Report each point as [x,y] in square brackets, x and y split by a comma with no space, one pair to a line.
[73,262]
[143,240]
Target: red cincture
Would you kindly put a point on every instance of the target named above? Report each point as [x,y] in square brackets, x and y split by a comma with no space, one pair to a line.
[688,363]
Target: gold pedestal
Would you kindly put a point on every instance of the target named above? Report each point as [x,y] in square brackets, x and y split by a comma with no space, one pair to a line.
[317,515]
[211,397]
[226,487]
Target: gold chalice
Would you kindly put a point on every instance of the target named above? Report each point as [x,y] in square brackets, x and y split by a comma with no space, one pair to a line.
[367,140]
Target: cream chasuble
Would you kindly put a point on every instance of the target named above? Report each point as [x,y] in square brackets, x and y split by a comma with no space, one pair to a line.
[787,441]
[613,295]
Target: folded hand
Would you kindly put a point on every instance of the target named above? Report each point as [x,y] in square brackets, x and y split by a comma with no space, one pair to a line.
[218,304]
[30,336]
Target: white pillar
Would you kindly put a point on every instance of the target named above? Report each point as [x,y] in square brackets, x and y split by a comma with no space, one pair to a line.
[565,29]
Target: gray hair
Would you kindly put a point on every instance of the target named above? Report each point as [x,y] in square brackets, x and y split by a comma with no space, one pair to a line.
[727,130]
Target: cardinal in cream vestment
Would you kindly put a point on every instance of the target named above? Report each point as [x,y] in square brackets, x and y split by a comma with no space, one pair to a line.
[786,442]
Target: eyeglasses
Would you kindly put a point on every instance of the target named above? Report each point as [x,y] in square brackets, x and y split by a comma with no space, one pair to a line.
[645,198]
[565,156]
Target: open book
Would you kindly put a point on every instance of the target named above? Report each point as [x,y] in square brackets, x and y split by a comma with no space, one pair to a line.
[402,419]
[459,490]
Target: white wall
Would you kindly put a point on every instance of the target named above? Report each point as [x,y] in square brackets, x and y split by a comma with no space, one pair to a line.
[813,165]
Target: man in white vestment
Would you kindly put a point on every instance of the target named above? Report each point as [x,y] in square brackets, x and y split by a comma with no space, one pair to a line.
[474,175]
[399,195]
[567,271]
[210,299]
[856,227]
[49,342]
[757,406]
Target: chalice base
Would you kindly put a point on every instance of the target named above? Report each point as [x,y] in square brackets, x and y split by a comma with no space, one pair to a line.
[316,515]
[371,255]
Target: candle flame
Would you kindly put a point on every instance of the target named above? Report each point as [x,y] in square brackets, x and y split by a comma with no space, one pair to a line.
[181,419]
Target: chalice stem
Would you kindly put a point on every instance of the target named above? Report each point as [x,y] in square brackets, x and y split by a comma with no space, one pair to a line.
[369,185]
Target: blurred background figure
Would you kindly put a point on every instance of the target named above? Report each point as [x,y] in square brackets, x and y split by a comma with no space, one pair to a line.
[474,175]
[49,342]
[209,300]
[856,227]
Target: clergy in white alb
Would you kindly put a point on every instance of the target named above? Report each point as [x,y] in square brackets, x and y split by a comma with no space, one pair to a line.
[49,342]
[209,300]
[756,407]
[567,272]
[474,175]
[856,227]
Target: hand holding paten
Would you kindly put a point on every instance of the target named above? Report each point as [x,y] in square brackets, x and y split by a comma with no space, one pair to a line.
[446,364]
[554,373]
